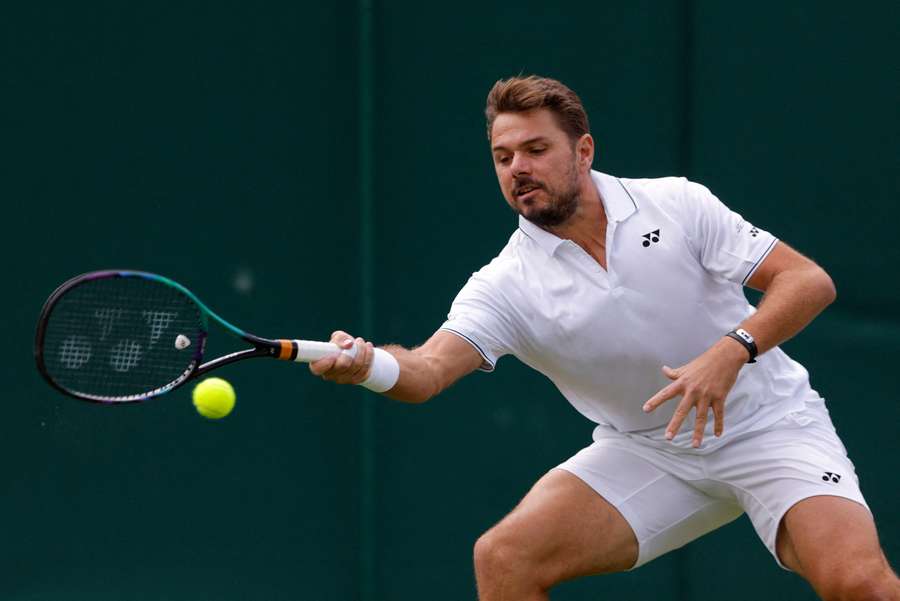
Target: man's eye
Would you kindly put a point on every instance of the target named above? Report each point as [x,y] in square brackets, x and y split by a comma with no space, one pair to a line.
[538,150]
[503,160]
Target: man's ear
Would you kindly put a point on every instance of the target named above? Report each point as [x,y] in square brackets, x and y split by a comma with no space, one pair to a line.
[584,149]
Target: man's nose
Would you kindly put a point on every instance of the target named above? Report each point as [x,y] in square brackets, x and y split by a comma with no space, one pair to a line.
[520,164]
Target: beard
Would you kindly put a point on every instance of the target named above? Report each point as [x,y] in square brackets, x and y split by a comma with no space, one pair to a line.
[561,205]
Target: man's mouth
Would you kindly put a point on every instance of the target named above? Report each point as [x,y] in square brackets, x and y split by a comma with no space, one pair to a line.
[525,192]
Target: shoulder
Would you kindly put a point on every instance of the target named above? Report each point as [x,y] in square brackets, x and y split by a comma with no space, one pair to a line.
[678,197]
[503,268]
[503,263]
[657,190]
[655,185]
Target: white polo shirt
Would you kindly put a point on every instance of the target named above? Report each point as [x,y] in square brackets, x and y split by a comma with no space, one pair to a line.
[676,262]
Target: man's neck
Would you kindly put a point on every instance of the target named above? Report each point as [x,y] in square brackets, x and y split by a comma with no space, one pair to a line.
[587,226]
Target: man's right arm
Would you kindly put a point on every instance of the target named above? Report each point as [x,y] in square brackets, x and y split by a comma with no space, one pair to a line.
[424,371]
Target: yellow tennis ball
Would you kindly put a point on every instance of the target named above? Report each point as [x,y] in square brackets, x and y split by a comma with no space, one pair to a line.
[213,398]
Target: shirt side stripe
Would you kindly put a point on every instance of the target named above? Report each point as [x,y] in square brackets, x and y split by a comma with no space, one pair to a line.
[758,261]
[490,366]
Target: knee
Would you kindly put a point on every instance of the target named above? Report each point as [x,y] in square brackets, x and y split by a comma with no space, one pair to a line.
[499,556]
[868,584]
[493,554]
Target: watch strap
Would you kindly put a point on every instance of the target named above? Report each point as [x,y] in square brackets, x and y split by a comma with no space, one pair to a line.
[746,339]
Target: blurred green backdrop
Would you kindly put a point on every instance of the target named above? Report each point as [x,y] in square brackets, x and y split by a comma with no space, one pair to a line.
[305,167]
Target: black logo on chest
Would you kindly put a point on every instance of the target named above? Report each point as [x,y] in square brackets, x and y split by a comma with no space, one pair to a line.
[650,238]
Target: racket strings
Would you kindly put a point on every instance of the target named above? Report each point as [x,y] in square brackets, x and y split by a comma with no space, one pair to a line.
[121,338]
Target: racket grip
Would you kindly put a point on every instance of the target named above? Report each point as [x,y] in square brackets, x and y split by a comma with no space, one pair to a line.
[383,374]
[311,350]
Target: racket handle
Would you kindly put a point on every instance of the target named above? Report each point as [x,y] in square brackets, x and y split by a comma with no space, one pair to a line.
[310,350]
[383,374]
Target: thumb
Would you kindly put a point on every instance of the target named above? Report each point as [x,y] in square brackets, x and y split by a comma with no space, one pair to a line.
[670,373]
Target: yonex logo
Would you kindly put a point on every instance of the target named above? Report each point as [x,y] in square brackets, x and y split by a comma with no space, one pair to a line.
[831,477]
[754,232]
[77,350]
[650,237]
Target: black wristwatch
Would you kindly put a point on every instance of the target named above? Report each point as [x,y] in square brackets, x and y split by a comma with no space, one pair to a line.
[746,339]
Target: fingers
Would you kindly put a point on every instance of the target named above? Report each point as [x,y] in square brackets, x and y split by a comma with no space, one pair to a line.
[670,391]
[702,408]
[343,368]
[718,408]
[681,413]
[700,424]
[703,385]
[322,365]
[670,373]
[342,339]
[359,369]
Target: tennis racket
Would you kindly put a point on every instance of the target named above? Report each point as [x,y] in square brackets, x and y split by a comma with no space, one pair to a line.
[128,336]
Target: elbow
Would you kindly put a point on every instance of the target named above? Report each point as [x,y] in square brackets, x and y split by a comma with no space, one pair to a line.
[414,395]
[829,292]
[433,389]
[419,397]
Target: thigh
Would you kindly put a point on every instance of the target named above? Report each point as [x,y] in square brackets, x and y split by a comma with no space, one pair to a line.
[565,529]
[797,462]
[608,509]
[658,493]
[819,535]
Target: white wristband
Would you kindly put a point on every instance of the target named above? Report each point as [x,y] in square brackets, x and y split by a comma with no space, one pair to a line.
[384,373]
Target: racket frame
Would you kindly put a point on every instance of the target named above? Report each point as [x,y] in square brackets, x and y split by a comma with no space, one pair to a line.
[262,347]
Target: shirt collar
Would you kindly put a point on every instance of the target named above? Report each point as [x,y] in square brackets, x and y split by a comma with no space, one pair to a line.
[549,242]
[617,202]
[617,199]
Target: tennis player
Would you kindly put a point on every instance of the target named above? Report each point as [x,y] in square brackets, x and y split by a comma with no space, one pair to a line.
[627,294]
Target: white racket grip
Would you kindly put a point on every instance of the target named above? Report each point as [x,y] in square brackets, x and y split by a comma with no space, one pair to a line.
[311,350]
[384,373]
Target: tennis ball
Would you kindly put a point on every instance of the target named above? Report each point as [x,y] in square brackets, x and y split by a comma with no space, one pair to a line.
[213,398]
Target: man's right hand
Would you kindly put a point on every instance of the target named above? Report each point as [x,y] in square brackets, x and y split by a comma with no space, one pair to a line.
[424,371]
[340,367]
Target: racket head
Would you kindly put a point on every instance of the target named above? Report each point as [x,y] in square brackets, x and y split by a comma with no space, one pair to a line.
[119,336]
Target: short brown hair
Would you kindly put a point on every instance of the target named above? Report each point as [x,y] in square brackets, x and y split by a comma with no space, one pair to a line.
[520,94]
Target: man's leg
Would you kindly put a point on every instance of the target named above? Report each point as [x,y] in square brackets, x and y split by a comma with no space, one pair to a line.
[562,529]
[832,542]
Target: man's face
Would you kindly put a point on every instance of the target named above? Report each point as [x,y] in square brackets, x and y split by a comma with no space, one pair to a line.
[537,167]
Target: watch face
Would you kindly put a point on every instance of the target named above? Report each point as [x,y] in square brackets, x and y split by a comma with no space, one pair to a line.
[744,334]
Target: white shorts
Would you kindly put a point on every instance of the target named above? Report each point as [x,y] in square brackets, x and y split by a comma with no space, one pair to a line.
[670,497]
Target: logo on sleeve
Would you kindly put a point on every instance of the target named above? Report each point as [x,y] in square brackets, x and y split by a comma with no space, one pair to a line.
[650,237]
[754,232]
[831,477]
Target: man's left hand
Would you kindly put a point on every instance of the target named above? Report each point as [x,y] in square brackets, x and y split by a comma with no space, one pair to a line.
[703,383]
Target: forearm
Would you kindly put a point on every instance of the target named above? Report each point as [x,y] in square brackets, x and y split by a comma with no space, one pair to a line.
[418,380]
[792,300]
[408,375]
[427,370]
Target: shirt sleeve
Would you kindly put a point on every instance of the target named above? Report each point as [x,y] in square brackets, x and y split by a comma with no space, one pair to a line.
[477,315]
[728,246]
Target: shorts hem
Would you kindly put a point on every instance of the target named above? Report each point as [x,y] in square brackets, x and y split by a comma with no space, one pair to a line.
[629,516]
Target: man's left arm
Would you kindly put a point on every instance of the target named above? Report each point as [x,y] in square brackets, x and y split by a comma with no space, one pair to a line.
[795,291]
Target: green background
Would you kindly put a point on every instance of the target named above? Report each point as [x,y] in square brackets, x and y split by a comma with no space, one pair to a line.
[332,155]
